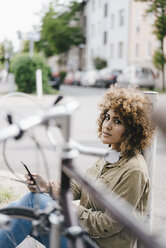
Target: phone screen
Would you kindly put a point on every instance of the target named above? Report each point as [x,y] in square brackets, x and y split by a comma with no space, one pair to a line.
[29,173]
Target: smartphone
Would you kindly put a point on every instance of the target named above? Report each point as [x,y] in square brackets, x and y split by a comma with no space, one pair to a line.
[29,173]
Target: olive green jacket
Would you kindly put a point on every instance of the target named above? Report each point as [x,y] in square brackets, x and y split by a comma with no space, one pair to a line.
[129,179]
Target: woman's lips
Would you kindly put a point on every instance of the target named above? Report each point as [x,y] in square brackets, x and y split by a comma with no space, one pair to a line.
[106,134]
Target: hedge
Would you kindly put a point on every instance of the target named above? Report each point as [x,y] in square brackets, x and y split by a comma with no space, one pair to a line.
[24,68]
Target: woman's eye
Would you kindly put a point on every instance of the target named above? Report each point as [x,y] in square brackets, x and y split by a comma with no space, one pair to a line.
[107,117]
[117,121]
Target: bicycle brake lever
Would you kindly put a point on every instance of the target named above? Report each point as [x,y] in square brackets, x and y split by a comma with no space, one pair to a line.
[59,98]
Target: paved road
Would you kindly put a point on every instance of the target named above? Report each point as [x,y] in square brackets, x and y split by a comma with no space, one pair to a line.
[84,131]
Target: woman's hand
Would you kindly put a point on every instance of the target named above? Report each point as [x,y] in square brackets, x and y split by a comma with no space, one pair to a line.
[42,184]
[54,189]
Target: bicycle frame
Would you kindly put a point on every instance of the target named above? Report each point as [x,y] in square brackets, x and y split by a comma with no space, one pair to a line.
[69,150]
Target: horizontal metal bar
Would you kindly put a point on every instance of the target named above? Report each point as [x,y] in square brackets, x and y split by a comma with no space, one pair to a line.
[32,121]
[94,151]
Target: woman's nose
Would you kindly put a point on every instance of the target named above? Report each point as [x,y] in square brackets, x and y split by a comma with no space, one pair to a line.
[109,124]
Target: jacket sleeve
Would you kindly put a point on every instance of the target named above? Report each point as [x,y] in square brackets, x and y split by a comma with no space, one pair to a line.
[76,190]
[101,224]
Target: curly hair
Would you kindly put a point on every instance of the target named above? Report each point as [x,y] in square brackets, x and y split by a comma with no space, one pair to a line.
[134,108]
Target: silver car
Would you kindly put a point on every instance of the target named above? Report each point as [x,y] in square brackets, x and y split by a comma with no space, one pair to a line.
[137,76]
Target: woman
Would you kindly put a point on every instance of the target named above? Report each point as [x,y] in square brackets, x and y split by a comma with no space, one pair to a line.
[123,125]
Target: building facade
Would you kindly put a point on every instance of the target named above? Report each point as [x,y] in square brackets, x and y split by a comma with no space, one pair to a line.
[107,26]
[120,32]
[142,41]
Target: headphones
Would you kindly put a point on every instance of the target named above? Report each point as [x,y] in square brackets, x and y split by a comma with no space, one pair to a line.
[113,156]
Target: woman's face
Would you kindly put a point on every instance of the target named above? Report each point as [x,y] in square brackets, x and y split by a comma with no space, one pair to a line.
[112,129]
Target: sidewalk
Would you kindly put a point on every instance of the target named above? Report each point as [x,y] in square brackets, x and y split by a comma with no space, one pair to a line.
[8,85]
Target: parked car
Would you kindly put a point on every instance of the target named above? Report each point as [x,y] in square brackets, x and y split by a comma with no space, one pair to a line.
[78,76]
[69,78]
[137,76]
[55,81]
[107,77]
[89,78]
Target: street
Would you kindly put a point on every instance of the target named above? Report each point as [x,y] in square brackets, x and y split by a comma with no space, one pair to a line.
[83,130]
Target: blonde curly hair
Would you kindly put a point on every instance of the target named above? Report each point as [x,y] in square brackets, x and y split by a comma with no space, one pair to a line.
[134,108]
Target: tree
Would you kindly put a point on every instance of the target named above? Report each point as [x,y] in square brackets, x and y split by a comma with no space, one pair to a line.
[60,29]
[158,8]
[2,53]
[25,46]
[159,59]
[99,63]
[6,51]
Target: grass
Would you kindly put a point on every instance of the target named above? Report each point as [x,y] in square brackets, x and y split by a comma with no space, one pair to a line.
[160,91]
[6,195]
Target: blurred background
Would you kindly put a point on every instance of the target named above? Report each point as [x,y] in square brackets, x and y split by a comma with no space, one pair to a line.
[83,42]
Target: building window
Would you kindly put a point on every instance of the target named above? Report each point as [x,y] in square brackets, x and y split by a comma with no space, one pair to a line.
[138,20]
[121,17]
[105,38]
[150,18]
[137,50]
[149,49]
[105,10]
[120,50]
[112,51]
[137,29]
[93,5]
[112,21]
[98,28]
[92,30]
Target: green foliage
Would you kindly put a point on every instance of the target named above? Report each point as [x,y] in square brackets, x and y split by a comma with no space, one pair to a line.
[62,76]
[99,63]
[24,67]
[5,195]
[6,51]
[158,7]
[26,47]
[60,30]
[160,27]
[2,53]
[159,59]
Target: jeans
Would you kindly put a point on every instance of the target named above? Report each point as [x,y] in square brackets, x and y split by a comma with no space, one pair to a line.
[21,228]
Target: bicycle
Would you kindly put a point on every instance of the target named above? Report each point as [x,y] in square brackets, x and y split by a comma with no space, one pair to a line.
[63,114]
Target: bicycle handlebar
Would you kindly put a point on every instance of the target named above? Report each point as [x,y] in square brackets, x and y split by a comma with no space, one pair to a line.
[60,110]
[94,151]
[67,109]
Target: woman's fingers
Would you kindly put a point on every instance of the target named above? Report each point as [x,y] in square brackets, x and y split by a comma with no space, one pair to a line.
[41,182]
[30,184]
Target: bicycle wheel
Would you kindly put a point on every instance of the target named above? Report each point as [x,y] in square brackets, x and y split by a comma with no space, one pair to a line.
[20,213]
[20,227]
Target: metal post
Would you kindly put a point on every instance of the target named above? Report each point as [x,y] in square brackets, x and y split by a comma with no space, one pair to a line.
[68,153]
[150,158]
[39,87]
[55,235]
